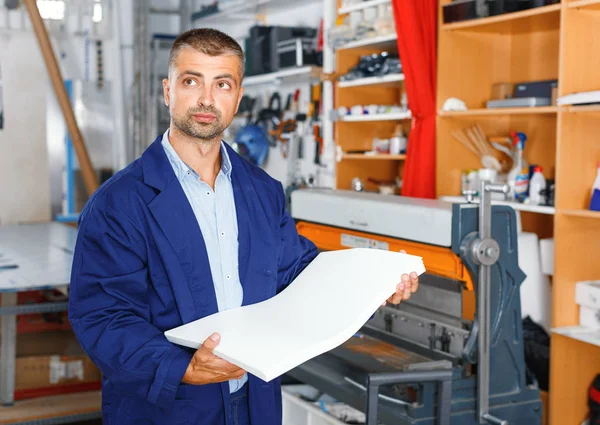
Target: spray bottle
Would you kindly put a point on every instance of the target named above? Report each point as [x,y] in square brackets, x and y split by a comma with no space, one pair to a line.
[518,177]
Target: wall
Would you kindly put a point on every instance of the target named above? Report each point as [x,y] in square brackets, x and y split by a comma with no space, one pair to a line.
[24,186]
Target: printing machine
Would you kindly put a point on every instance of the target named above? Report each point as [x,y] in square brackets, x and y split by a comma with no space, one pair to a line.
[453,353]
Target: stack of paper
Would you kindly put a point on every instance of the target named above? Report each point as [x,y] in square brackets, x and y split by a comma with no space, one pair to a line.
[321,309]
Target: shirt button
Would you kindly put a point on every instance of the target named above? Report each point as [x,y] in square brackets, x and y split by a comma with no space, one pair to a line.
[222,233]
[208,193]
[228,276]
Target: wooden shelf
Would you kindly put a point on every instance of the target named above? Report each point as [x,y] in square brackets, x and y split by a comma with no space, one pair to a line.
[532,20]
[301,72]
[391,80]
[381,42]
[73,407]
[361,6]
[579,333]
[540,209]
[396,116]
[499,111]
[582,213]
[583,109]
[374,157]
[584,4]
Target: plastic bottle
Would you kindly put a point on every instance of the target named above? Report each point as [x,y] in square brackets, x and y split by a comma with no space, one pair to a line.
[518,177]
[596,185]
[536,185]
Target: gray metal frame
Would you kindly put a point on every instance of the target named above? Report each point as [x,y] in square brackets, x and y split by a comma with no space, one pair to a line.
[62,419]
[8,339]
[443,377]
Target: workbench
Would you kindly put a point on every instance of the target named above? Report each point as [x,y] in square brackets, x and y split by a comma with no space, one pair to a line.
[35,257]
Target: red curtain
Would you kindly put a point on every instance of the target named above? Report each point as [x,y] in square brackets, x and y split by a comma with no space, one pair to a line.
[416,25]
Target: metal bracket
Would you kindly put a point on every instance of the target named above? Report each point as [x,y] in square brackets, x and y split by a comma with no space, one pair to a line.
[442,377]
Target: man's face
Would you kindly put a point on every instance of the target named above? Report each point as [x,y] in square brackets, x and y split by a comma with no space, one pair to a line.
[203,93]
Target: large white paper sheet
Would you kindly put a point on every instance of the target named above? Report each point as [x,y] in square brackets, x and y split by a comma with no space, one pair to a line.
[322,308]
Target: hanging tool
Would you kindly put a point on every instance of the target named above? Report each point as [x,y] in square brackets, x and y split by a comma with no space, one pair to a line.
[318,143]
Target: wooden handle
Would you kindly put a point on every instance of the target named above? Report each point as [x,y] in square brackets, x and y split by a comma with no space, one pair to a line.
[87,170]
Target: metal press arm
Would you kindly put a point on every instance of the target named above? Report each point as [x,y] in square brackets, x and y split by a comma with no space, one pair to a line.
[485,251]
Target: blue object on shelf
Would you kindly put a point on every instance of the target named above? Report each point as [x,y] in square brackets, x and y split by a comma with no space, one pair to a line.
[595,202]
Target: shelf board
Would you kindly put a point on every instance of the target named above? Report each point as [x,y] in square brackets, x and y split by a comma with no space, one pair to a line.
[383,42]
[537,19]
[581,213]
[584,4]
[74,407]
[499,111]
[387,80]
[539,209]
[380,157]
[377,117]
[579,333]
[583,109]
[304,71]
[247,10]
[361,6]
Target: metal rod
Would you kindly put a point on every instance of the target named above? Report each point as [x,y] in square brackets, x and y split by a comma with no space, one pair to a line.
[483,370]
[8,343]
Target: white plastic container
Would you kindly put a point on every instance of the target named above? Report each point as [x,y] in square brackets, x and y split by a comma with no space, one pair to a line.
[536,185]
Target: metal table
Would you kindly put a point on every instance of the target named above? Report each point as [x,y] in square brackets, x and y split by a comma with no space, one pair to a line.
[32,257]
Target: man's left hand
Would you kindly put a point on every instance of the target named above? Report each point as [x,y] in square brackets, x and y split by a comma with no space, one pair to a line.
[408,285]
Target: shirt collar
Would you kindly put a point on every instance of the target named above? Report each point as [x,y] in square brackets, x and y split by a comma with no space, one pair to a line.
[181,168]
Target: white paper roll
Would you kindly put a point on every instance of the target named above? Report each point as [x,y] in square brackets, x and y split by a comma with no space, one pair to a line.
[536,296]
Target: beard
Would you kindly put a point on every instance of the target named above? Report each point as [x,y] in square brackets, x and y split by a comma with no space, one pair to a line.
[205,131]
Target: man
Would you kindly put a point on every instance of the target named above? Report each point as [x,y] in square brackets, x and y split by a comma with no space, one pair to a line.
[185,231]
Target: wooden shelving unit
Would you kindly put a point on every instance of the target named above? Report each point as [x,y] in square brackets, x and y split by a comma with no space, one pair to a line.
[585,4]
[356,132]
[499,111]
[538,19]
[552,42]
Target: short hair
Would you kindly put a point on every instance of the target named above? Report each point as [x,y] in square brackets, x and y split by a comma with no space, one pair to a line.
[209,41]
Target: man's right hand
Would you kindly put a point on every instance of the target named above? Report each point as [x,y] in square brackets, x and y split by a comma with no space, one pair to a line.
[206,368]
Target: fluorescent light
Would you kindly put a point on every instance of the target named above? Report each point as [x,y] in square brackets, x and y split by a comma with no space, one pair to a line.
[52,9]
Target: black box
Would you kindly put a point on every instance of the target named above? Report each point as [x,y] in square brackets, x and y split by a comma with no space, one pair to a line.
[280,35]
[535,88]
[499,7]
[460,11]
[258,51]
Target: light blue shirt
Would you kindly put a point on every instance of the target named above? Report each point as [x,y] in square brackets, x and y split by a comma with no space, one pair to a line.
[216,215]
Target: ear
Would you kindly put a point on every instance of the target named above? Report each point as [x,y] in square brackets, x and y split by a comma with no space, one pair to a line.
[240,95]
[166,91]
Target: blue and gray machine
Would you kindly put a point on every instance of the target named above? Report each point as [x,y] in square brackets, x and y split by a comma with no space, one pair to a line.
[423,362]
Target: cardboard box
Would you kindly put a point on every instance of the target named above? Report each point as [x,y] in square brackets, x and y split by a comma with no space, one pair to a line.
[49,371]
[501,91]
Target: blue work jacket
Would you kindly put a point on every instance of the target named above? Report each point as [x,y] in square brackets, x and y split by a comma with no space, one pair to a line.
[140,268]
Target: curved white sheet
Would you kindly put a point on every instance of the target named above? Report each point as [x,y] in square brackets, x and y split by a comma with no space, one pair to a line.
[321,309]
